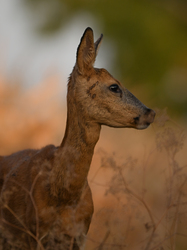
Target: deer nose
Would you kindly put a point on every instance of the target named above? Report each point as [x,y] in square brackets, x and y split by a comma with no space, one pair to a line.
[150,115]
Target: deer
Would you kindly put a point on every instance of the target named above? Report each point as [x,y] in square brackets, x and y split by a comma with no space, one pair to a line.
[46,200]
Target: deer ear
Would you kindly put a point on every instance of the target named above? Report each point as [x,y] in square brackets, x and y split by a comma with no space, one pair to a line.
[98,43]
[86,52]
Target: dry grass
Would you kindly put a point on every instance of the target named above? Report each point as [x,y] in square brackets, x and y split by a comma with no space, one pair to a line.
[138,178]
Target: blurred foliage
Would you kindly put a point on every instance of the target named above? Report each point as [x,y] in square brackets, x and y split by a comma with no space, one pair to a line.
[150,39]
[30,126]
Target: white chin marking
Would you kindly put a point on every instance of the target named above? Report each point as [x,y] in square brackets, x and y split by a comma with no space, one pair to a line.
[142,126]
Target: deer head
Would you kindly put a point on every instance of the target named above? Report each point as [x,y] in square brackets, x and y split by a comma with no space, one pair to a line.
[98,96]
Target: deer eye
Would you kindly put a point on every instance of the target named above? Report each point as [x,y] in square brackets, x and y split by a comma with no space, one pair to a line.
[115,88]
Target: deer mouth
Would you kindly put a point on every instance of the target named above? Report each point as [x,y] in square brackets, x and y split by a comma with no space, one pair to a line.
[143,121]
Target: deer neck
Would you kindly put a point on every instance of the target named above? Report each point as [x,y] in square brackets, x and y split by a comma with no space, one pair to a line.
[80,134]
[75,152]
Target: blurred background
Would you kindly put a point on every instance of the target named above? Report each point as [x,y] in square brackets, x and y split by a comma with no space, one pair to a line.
[144,46]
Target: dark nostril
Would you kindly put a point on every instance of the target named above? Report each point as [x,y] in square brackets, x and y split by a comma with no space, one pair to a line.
[136,119]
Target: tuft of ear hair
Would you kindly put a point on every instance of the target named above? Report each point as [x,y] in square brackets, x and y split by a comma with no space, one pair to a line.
[87,51]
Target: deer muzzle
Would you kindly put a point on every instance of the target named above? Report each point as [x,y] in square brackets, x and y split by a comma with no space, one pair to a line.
[144,120]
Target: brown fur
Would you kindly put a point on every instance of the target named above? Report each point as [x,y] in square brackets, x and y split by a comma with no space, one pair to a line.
[46,199]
